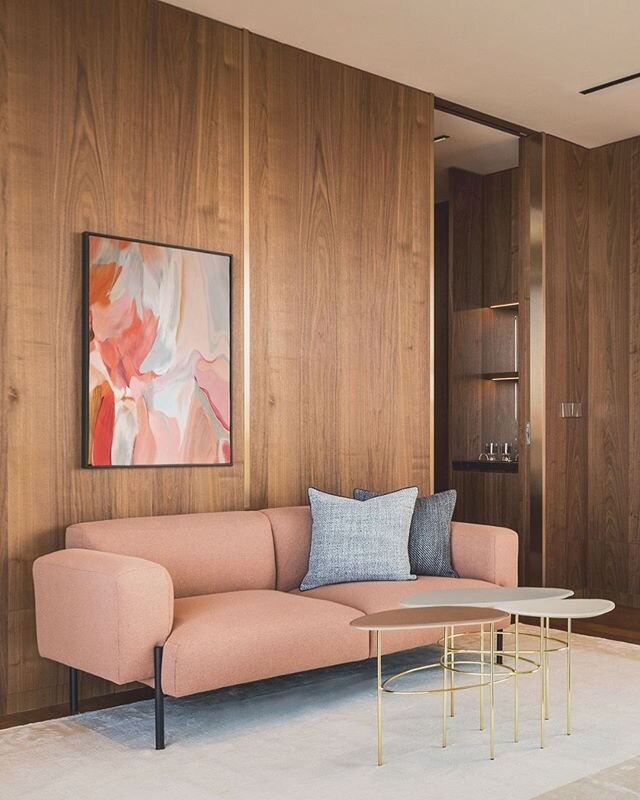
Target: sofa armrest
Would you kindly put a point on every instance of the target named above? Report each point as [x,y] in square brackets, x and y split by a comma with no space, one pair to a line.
[485,553]
[102,613]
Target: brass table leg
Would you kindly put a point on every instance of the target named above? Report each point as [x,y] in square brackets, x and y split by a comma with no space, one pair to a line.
[452,675]
[569,677]
[492,749]
[516,699]
[379,654]
[543,682]
[445,658]
[546,669]
[482,677]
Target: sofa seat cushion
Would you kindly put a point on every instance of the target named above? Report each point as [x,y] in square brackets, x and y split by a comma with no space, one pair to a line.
[236,637]
[371,596]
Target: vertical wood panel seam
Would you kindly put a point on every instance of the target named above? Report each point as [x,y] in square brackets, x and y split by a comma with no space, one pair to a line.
[543,336]
[246,273]
[432,304]
[4,387]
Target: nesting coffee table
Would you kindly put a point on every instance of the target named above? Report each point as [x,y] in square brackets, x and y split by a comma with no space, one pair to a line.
[447,617]
[499,597]
[452,608]
[544,610]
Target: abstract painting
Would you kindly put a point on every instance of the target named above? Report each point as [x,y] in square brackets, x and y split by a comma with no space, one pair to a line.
[157,378]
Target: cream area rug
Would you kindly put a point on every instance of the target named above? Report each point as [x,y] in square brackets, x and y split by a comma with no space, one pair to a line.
[313,736]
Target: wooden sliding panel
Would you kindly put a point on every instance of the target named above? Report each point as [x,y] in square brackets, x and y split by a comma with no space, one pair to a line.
[614,379]
[124,117]
[341,260]
[634,375]
[566,361]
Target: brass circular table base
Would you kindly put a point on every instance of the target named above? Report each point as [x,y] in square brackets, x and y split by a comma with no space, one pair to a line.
[452,667]
[561,644]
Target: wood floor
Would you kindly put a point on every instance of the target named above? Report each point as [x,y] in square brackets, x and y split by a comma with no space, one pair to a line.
[89,704]
[622,624]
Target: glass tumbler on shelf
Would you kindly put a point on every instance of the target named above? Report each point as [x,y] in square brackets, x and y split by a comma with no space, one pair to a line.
[506,451]
[491,450]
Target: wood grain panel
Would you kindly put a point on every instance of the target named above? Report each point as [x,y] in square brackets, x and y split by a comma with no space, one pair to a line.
[500,274]
[567,341]
[465,314]
[634,366]
[441,347]
[341,221]
[466,234]
[609,285]
[487,498]
[132,115]
[4,384]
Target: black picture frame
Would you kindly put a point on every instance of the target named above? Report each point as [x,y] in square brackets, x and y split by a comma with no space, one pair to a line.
[86,330]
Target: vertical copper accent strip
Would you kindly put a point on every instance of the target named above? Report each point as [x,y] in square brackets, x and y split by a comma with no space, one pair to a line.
[246,276]
[537,361]
[432,306]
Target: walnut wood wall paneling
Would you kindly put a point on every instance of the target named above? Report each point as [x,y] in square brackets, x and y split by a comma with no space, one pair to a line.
[341,248]
[567,344]
[613,561]
[122,116]
[501,265]
[488,498]
[465,314]
[441,359]
[4,384]
[466,235]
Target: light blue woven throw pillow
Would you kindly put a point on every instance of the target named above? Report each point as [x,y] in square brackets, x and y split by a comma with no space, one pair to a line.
[356,541]
[430,537]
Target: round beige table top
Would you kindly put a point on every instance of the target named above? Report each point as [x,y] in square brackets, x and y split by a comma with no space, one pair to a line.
[440,617]
[571,608]
[492,596]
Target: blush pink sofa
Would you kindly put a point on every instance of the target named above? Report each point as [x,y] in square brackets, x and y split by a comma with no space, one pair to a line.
[195,602]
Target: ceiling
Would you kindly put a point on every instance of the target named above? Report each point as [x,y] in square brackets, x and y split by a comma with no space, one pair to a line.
[518,60]
[470,146]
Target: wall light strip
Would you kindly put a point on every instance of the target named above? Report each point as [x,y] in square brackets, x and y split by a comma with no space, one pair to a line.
[442,138]
[515,304]
[246,277]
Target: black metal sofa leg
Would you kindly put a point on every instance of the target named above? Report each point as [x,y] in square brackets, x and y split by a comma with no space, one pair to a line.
[73,691]
[499,646]
[159,697]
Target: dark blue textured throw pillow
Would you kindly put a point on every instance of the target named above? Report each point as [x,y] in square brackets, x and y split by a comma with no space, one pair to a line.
[430,535]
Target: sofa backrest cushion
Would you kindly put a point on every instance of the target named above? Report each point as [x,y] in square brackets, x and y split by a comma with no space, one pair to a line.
[204,553]
[292,541]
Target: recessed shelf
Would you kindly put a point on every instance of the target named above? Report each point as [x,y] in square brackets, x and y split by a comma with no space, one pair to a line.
[504,306]
[501,376]
[484,466]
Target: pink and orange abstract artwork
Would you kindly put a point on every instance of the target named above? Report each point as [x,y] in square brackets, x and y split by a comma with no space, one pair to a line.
[158,354]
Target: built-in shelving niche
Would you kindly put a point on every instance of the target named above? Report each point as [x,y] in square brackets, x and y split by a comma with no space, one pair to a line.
[483,389]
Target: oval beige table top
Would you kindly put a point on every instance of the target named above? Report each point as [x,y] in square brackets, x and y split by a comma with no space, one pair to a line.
[571,608]
[440,617]
[481,596]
